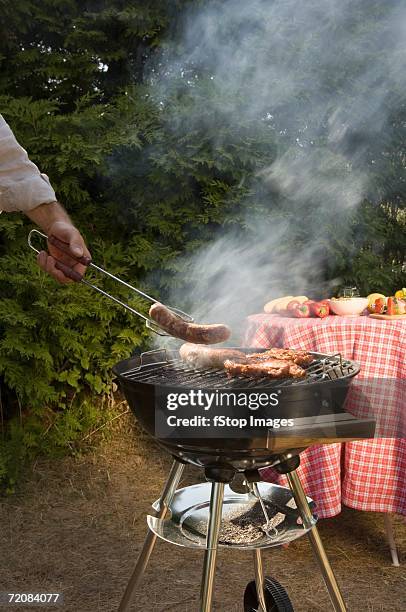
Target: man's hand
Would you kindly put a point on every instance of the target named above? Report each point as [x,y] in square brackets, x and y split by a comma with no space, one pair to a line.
[54,220]
[67,233]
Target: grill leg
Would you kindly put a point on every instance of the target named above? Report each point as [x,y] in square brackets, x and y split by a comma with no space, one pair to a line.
[315,540]
[209,566]
[391,540]
[259,579]
[165,500]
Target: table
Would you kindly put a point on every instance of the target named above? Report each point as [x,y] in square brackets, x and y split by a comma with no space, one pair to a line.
[367,475]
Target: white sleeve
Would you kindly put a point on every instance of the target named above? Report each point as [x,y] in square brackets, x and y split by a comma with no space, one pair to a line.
[22,186]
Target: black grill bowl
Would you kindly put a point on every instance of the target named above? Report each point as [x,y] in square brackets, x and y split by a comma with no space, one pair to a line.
[323,392]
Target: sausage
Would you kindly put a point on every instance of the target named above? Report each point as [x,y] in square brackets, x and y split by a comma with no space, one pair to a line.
[191,332]
[199,356]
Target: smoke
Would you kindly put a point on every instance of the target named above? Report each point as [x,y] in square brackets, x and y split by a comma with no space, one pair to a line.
[318,81]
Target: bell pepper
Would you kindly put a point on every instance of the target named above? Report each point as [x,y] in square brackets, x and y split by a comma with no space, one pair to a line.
[320,309]
[293,304]
[302,311]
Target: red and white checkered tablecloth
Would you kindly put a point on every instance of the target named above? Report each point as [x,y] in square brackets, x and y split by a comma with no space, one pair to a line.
[368,475]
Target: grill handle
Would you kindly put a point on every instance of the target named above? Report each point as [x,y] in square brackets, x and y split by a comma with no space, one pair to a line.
[69,272]
[64,248]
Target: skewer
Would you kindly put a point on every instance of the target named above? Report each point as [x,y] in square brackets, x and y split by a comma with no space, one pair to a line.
[87,261]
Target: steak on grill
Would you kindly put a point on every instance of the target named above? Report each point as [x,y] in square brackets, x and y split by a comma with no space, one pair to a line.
[301,358]
[271,368]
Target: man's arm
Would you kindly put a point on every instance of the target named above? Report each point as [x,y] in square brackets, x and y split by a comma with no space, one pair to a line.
[23,188]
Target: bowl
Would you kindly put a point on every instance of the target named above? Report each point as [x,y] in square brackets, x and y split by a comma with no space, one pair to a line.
[347,307]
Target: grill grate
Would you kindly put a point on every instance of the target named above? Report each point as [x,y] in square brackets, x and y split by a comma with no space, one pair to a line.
[174,372]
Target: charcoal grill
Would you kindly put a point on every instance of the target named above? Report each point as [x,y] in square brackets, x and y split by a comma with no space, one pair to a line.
[195,516]
[316,403]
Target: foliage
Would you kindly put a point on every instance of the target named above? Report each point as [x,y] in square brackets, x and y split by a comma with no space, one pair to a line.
[144,183]
[58,344]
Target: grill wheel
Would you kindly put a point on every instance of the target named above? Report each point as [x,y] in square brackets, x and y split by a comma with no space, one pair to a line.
[277,599]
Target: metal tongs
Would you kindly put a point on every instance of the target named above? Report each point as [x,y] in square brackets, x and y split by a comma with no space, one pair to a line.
[86,261]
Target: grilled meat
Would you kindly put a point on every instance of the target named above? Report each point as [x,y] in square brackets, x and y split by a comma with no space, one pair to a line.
[191,332]
[273,363]
[272,368]
[301,358]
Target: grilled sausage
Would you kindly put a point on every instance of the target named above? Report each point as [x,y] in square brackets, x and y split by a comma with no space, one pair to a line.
[191,332]
[199,356]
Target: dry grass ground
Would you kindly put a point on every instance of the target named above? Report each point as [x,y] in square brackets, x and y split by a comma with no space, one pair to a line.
[75,527]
